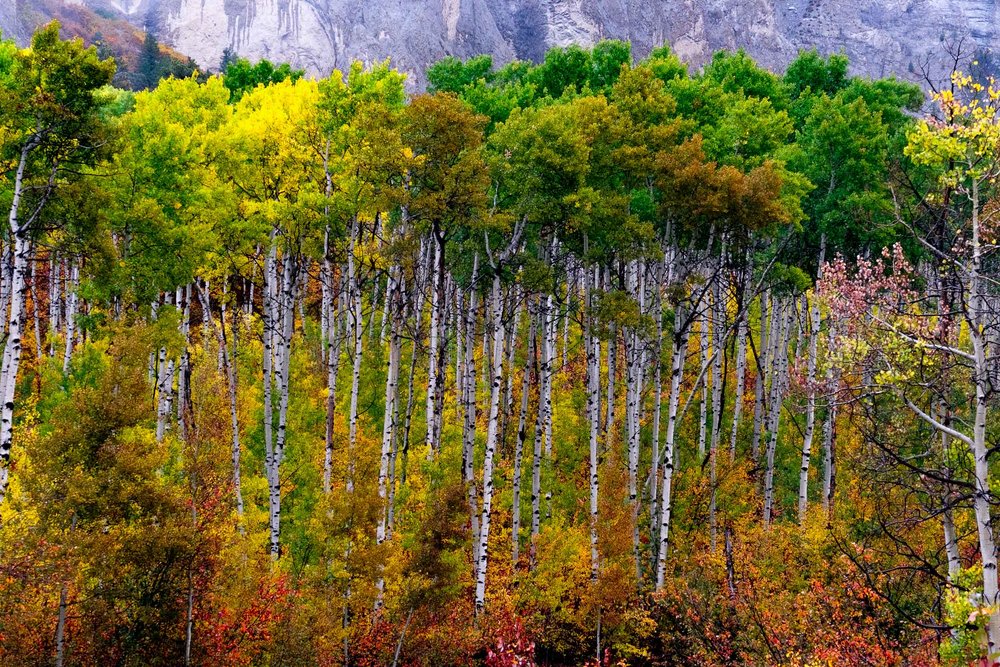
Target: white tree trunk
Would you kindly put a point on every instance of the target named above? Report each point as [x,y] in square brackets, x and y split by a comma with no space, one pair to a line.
[718,324]
[515,531]
[491,442]
[810,411]
[11,361]
[165,385]
[811,400]
[741,366]
[271,323]
[333,337]
[71,307]
[394,307]
[982,500]
[829,435]
[357,322]
[54,299]
[703,408]
[594,417]
[676,373]
[783,316]
[761,363]
[437,287]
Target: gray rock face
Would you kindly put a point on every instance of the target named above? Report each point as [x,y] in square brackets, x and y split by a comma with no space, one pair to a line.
[880,36]
[12,24]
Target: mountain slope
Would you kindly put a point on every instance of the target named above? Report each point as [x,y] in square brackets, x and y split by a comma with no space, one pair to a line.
[882,37]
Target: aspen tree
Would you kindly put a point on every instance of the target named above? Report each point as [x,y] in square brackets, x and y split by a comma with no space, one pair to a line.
[51,114]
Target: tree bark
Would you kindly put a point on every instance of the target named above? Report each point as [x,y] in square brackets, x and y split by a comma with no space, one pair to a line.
[491,441]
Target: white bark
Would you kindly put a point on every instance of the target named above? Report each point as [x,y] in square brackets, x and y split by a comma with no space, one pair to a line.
[482,553]
[703,408]
[12,359]
[654,468]
[394,307]
[165,385]
[810,412]
[437,288]
[741,365]
[270,337]
[783,316]
[982,500]
[491,441]
[811,388]
[829,434]
[71,307]
[54,298]
[761,362]
[333,339]
[594,416]
[357,322]
[676,372]
[522,435]
[718,323]
[469,426]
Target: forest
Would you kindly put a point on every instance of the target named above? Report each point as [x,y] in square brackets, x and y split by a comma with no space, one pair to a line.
[593,361]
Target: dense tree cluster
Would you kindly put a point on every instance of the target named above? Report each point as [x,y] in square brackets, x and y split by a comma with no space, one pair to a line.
[586,361]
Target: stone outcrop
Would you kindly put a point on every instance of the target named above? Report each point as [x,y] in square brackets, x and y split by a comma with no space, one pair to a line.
[880,36]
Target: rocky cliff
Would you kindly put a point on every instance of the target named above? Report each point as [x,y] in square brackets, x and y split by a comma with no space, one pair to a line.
[880,36]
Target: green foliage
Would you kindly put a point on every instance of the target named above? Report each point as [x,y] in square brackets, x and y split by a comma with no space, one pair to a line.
[241,76]
[656,180]
[665,64]
[738,73]
[812,74]
[964,646]
[451,75]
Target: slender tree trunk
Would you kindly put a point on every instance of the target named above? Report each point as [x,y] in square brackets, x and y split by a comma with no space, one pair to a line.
[54,298]
[703,417]
[184,365]
[811,400]
[594,415]
[437,299]
[289,284]
[634,360]
[779,375]
[357,321]
[609,423]
[511,345]
[12,360]
[71,306]
[741,365]
[394,307]
[829,435]
[982,500]
[515,531]
[719,325]
[548,358]
[654,468]
[491,441]
[761,362]
[39,351]
[951,545]
[676,372]
[469,425]
[536,462]
[270,336]
[6,280]
[333,341]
